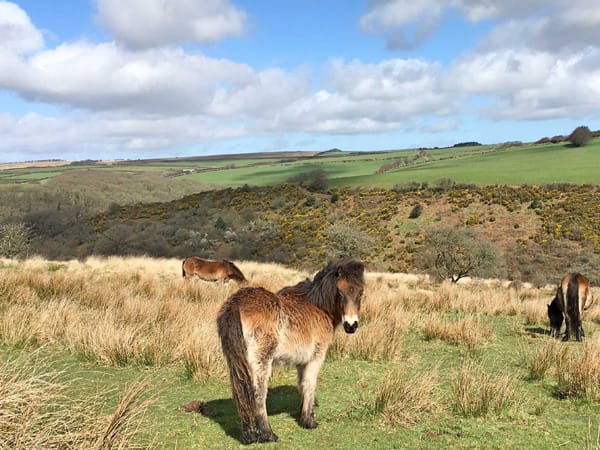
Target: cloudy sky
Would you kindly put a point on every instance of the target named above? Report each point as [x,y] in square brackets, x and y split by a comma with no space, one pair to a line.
[105,79]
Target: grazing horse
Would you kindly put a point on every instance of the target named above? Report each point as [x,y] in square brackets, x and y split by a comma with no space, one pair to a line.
[295,326]
[569,302]
[210,270]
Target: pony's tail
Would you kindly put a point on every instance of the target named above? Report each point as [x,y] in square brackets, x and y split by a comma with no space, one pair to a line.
[229,325]
[183,268]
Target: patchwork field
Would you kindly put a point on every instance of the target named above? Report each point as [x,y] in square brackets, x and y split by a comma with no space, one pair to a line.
[481,165]
[104,352]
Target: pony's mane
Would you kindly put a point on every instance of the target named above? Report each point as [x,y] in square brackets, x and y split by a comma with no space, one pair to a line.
[322,291]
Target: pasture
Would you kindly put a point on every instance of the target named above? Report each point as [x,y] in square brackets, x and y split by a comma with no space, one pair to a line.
[480,165]
[112,348]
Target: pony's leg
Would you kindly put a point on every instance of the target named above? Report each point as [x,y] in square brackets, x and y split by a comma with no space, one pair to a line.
[307,384]
[262,373]
[248,434]
[567,335]
[578,328]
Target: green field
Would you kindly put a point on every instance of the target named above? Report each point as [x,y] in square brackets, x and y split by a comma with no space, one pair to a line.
[481,165]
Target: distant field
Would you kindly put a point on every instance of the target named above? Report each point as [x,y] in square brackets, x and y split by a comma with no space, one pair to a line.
[481,165]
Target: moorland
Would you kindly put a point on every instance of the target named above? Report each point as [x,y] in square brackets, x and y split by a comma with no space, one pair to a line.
[104,345]
[535,205]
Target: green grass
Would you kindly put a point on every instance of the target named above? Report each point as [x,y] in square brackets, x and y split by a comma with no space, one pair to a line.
[345,393]
[482,165]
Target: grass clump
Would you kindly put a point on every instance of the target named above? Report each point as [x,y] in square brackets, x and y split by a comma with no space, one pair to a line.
[37,412]
[404,397]
[579,373]
[477,394]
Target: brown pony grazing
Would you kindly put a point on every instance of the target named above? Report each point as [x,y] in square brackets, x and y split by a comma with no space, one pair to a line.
[210,270]
[569,302]
[295,326]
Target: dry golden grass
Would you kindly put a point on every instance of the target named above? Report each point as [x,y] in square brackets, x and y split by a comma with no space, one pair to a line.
[579,372]
[551,356]
[404,397]
[138,310]
[477,393]
[37,413]
[469,330]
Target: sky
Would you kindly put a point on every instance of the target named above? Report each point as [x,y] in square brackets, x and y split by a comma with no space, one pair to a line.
[136,79]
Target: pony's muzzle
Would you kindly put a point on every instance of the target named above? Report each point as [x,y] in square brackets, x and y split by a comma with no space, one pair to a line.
[350,327]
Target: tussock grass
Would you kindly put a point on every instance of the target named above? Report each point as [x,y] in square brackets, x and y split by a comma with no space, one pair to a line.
[36,411]
[592,439]
[469,330]
[122,312]
[553,354]
[579,373]
[126,419]
[405,397]
[477,393]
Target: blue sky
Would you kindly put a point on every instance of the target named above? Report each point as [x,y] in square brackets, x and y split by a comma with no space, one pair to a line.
[106,79]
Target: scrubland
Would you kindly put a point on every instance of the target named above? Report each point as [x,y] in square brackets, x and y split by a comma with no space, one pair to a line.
[103,352]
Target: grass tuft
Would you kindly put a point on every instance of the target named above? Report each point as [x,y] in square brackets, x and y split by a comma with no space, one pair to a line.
[477,394]
[404,398]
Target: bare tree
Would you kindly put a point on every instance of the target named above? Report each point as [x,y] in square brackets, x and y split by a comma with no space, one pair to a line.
[454,253]
[15,239]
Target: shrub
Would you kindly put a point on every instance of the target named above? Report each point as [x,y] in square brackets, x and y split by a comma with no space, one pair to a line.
[580,136]
[346,239]
[454,253]
[220,224]
[14,240]
[314,180]
[416,211]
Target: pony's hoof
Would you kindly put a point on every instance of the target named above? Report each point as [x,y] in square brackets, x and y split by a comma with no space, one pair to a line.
[268,437]
[310,423]
[248,437]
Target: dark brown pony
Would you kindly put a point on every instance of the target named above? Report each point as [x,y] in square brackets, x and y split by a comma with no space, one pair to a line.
[210,270]
[294,326]
[569,303]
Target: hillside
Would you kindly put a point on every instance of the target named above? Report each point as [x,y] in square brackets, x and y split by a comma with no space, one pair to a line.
[511,163]
[179,208]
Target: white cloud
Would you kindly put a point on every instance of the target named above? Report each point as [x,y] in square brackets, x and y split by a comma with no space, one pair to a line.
[393,17]
[366,98]
[153,95]
[107,77]
[99,136]
[152,23]
[529,84]
[18,34]
[544,24]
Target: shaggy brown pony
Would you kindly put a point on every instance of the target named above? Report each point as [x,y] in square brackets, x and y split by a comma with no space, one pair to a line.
[295,326]
[209,270]
[569,302]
